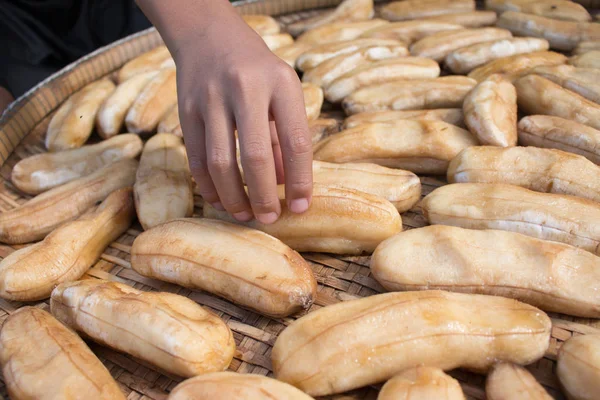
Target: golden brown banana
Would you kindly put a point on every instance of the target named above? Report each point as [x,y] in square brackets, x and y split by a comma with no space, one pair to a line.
[591,59]
[170,122]
[32,272]
[562,35]
[44,360]
[401,188]
[554,9]
[518,65]
[583,81]
[347,11]
[549,275]
[421,383]
[319,54]
[153,102]
[111,115]
[537,95]
[439,45]
[380,72]
[510,381]
[490,111]
[262,274]
[410,94]
[290,53]
[414,9]
[230,385]
[558,133]
[361,342]
[328,71]
[322,128]
[152,60]
[578,367]
[409,31]
[277,41]
[472,19]
[42,172]
[557,217]
[167,330]
[262,24]
[423,147]
[453,116]
[466,59]
[587,46]
[41,215]
[313,100]
[338,31]
[542,170]
[339,221]
[163,184]
[73,122]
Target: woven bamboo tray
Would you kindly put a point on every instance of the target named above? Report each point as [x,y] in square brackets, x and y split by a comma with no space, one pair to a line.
[22,129]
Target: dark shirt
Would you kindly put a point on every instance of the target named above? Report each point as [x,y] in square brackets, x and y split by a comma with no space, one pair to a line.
[38,37]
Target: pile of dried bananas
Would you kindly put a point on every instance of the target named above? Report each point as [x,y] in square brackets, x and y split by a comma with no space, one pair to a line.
[431,87]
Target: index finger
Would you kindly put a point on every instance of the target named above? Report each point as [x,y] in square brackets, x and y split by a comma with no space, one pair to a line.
[289,113]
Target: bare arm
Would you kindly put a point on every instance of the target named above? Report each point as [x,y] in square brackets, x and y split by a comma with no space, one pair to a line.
[228,78]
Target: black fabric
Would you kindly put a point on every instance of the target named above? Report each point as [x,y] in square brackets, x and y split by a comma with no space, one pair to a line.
[38,37]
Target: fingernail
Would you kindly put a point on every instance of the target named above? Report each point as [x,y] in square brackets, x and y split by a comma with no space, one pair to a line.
[298,206]
[218,206]
[268,218]
[243,216]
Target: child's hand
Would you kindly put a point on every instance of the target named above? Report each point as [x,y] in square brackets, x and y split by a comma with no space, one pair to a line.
[228,79]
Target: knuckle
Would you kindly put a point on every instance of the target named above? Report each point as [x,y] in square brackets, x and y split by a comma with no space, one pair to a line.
[299,141]
[264,203]
[188,108]
[255,154]
[287,75]
[220,162]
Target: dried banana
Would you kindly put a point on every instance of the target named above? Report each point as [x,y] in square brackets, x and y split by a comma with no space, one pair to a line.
[423,147]
[333,68]
[401,188]
[153,102]
[554,9]
[591,59]
[518,65]
[32,272]
[510,381]
[230,385]
[466,59]
[453,116]
[322,128]
[163,183]
[152,60]
[38,217]
[421,383]
[380,72]
[111,115]
[361,342]
[262,24]
[347,11]
[439,45]
[338,31]
[562,35]
[537,95]
[414,9]
[262,273]
[44,360]
[490,111]
[578,367]
[587,46]
[557,217]
[583,81]
[290,53]
[409,31]
[42,172]
[170,122]
[472,19]
[275,42]
[410,94]
[339,221]
[167,330]
[73,122]
[313,100]
[549,275]
[558,133]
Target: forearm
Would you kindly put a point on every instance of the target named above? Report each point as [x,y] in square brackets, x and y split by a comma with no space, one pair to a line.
[180,21]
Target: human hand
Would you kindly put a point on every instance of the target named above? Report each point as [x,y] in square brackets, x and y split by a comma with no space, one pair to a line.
[228,79]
